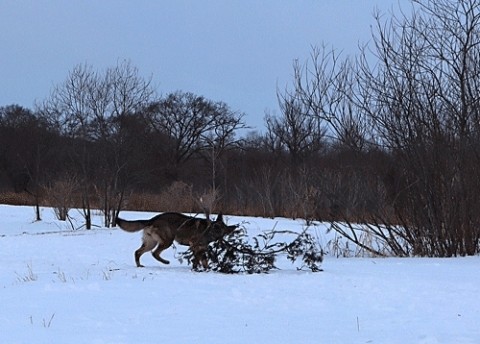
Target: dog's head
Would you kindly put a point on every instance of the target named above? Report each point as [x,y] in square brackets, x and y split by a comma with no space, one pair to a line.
[220,228]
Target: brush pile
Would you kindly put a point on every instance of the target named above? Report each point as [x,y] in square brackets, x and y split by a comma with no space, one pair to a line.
[238,253]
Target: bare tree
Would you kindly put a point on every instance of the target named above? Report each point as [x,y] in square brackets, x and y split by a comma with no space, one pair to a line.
[87,108]
[129,94]
[423,101]
[68,110]
[324,87]
[194,126]
[296,131]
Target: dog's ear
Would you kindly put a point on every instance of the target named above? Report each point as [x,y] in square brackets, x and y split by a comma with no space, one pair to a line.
[219,218]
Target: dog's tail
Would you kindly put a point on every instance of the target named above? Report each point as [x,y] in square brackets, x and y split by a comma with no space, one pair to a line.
[131,226]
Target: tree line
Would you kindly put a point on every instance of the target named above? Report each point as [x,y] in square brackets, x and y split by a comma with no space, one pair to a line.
[385,141]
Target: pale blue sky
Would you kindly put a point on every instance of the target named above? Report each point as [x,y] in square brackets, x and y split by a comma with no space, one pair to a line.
[236,51]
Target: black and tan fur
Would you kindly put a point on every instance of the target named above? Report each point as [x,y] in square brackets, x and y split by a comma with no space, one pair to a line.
[162,230]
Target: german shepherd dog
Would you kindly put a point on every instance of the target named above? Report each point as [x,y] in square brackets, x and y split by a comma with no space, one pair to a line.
[160,231]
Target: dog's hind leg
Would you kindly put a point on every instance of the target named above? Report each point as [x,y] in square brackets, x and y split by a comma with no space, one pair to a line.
[156,253]
[148,244]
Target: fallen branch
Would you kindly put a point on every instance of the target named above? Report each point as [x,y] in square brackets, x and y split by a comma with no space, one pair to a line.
[235,253]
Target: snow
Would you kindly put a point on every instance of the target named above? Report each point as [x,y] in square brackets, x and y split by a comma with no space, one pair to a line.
[59,285]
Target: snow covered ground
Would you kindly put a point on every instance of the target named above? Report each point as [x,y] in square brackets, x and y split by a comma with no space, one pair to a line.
[59,285]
